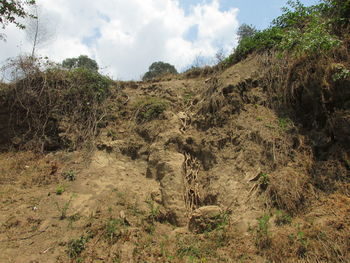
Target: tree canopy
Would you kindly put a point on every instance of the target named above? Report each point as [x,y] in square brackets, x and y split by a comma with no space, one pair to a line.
[10,11]
[245,31]
[158,69]
[82,61]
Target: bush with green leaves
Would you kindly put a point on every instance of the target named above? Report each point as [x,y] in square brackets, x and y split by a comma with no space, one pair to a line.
[307,31]
[260,41]
[88,85]
[113,229]
[338,11]
[149,109]
[69,175]
[299,31]
[52,108]
[245,31]
[77,246]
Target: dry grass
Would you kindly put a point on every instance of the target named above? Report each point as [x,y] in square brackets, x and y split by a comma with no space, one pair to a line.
[322,235]
[289,190]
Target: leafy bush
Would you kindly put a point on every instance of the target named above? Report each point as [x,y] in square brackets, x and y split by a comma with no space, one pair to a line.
[310,39]
[60,189]
[52,108]
[76,246]
[113,231]
[245,31]
[149,109]
[340,72]
[88,85]
[338,11]
[69,175]
[264,181]
[299,31]
[260,41]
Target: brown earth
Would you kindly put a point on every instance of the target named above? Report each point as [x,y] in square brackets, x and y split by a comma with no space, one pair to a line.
[219,176]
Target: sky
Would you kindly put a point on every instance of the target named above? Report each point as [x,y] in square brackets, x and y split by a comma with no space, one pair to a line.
[126,36]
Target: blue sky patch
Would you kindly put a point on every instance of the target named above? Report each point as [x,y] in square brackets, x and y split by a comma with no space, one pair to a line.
[90,40]
[192,33]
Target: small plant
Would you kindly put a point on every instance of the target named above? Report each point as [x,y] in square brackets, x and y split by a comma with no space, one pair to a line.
[284,123]
[194,250]
[189,251]
[270,126]
[302,243]
[301,238]
[63,210]
[76,246]
[152,216]
[149,109]
[282,218]
[187,97]
[73,218]
[60,189]
[340,72]
[264,180]
[70,175]
[113,229]
[263,239]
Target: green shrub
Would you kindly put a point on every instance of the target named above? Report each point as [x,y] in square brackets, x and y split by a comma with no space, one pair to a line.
[310,40]
[298,31]
[76,246]
[82,61]
[264,180]
[263,239]
[60,189]
[53,108]
[340,72]
[70,175]
[88,85]
[338,12]
[63,209]
[260,41]
[113,229]
[149,108]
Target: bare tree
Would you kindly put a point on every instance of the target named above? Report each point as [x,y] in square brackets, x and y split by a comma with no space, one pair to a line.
[39,29]
[220,56]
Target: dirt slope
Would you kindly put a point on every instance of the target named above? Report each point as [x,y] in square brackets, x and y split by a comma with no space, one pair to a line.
[218,176]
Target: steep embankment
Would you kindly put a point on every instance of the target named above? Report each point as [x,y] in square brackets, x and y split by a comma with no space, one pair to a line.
[185,170]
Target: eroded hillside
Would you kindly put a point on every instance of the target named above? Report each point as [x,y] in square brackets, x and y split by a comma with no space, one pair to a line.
[201,169]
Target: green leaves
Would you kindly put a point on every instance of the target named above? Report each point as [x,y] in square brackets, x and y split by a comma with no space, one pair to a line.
[149,109]
[158,69]
[299,31]
[80,62]
[313,37]
[10,11]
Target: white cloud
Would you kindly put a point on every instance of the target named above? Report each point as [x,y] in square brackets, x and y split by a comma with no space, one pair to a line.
[126,36]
